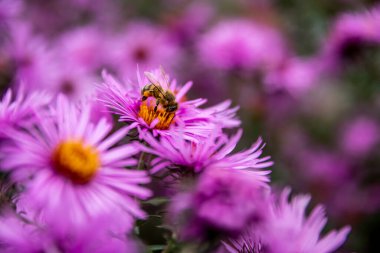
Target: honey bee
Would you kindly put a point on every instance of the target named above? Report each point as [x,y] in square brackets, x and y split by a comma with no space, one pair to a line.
[164,97]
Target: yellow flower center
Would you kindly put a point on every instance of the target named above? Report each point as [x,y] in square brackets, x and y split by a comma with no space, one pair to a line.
[148,114]
[76,161]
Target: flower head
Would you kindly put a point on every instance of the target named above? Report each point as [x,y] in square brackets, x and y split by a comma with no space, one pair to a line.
[349,34]
[158,105]
[285,229]
[74,173]
[33,61]
[145,45]
[241,44]
[84,48]
[17,235]
[19,110]
[213,152]
[296,75]
[222,203]
[288,230]
[360,136]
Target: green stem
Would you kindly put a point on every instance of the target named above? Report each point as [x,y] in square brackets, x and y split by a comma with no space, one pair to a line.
[141,163]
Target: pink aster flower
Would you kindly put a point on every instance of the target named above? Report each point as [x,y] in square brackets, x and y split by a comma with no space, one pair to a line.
[17,235]
[186,25]
[145,45]
[84,47]
[19,110]
[350,33]
[187,118]
[70,79]
[223,203]
[286,229]
[360,136]
[296,75]
[241,44]
[33,61]
[71,170]
[213,152]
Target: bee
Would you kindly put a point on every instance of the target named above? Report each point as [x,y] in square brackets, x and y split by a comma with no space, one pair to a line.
[164,97]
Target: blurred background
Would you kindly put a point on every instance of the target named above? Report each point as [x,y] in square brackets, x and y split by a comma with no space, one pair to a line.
[306,75]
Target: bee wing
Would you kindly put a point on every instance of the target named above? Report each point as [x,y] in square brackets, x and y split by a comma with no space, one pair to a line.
[164,76]
[152,79]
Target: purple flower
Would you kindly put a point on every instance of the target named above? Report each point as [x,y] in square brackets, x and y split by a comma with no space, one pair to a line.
[286,229]
[222,203]
[324,168]
[20,110]
[17,235]
[33,61]
[71,80]
[188,119]
[360,136]
[241,44]
[186,25]
[83,47]
[145,45]
[350,33]
[213,152]
[296,75]
[71,170]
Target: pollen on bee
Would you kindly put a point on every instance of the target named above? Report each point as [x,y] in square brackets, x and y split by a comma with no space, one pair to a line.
[147,113]
[76,161]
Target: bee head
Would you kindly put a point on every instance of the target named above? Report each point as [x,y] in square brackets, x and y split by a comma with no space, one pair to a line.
[172,108]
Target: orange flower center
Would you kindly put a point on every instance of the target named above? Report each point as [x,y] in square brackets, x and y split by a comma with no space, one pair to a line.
[75,160]
[148,114]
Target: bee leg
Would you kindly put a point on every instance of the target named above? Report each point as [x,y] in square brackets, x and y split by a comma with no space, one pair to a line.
[144,98]
[157,103]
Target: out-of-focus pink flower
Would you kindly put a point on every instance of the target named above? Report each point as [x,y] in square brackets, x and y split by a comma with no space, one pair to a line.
[144,45]
[71,170]
[191,121]
[20,110]
[350,33]
[71,80]
[31,59]
[241,44]
[322,167]
[360,136]
[84,47]
[53,17]
[19,236]
[286,229]
[296,75]
[186,26]
[351,202]
[223,203]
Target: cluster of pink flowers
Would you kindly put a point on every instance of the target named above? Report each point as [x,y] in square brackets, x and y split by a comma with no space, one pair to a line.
[74,175]
[96,137]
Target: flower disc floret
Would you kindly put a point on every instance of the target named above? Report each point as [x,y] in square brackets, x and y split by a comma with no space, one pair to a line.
[77,161]
[162,118]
